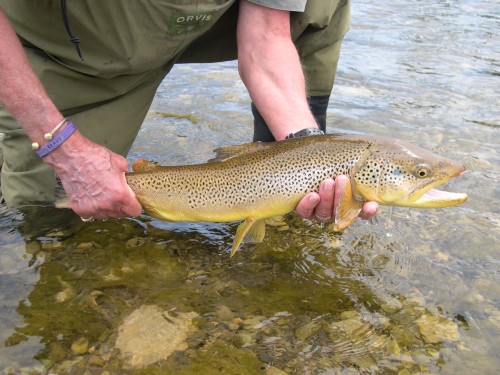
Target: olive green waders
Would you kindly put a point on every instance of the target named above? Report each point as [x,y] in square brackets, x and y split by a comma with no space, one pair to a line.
[108,94]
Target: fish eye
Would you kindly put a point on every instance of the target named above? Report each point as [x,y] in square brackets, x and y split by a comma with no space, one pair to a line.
[422,171]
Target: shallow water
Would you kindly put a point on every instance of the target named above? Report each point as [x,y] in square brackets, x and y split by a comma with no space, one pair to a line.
[416,292]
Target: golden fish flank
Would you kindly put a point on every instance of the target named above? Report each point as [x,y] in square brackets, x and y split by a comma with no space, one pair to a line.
[255,181]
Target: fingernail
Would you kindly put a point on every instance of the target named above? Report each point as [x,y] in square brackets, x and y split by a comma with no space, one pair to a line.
[328,186]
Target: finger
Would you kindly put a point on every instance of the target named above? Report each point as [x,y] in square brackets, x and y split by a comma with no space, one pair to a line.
[133,208]
[306,206]
[324,209]
[369,210]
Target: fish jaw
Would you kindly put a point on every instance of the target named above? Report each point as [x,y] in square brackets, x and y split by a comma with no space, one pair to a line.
[435,198]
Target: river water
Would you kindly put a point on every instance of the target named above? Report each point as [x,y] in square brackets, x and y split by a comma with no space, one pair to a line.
[415,292]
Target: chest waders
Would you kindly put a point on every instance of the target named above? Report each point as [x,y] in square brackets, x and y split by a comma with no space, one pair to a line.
[110,91]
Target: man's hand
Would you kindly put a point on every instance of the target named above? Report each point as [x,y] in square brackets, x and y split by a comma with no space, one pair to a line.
[322,206]
[95,183]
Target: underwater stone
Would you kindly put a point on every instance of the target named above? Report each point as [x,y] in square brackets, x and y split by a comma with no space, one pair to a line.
[392,306]
[233,327]
[85,246]
[344,315]
[307,330]
[52,246]
[244,338]
[95,360]
[80,346]
[150,334]
[224,313]
[435,329]
[274,371]
[252,323]
[135,242]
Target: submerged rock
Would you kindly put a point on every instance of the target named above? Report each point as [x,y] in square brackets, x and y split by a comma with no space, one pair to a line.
[150,334]
[80,346]
[435,329]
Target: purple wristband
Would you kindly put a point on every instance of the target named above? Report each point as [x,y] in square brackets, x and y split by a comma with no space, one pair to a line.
[57,140]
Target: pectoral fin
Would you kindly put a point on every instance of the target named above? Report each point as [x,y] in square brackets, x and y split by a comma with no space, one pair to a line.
[348,210]
[250,230]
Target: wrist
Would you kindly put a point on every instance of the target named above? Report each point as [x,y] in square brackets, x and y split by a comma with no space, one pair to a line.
[55,138]
[68,152]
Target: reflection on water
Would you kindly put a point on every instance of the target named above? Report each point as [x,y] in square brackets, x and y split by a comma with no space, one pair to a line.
[417,292]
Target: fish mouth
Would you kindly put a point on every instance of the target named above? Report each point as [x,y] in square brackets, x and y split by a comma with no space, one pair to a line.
[429,197]
[435,198]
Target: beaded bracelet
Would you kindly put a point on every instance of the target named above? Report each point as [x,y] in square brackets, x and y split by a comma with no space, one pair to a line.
[54,141]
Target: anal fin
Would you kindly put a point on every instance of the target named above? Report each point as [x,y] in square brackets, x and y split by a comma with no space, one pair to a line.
[250,230]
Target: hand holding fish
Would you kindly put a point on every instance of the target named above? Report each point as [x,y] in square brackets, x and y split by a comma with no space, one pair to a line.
[321,206]
[94,181]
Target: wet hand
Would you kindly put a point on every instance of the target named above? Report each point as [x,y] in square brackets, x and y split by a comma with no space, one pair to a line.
[96,186]
[322,206]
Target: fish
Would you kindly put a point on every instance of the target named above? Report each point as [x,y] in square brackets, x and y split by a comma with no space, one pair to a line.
[255,181]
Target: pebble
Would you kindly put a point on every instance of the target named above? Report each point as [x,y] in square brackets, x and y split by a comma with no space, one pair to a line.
[495,320]
[67,293]
[392,347]
[435,329]
[307,330]
[349,326]
[274,371]
[253,322]
[442,256]
[245,338]
[135,242]
[80,346]
[52,246]
[233,326]
[344,315]
[95,360]
[392,306]
[224,313]
[85,246]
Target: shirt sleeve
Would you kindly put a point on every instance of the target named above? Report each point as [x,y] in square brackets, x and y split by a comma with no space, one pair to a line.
[290,5]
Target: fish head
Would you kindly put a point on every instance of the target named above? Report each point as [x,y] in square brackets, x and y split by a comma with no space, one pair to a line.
[397,173]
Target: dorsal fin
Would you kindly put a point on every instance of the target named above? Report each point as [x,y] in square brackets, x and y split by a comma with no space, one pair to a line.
[228,152]
[142,165]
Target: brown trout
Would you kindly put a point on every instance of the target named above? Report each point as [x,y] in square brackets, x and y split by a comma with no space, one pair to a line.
[255,181]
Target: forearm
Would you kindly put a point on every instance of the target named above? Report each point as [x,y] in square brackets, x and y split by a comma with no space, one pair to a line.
[21,92]
[270,68]
[24,97]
